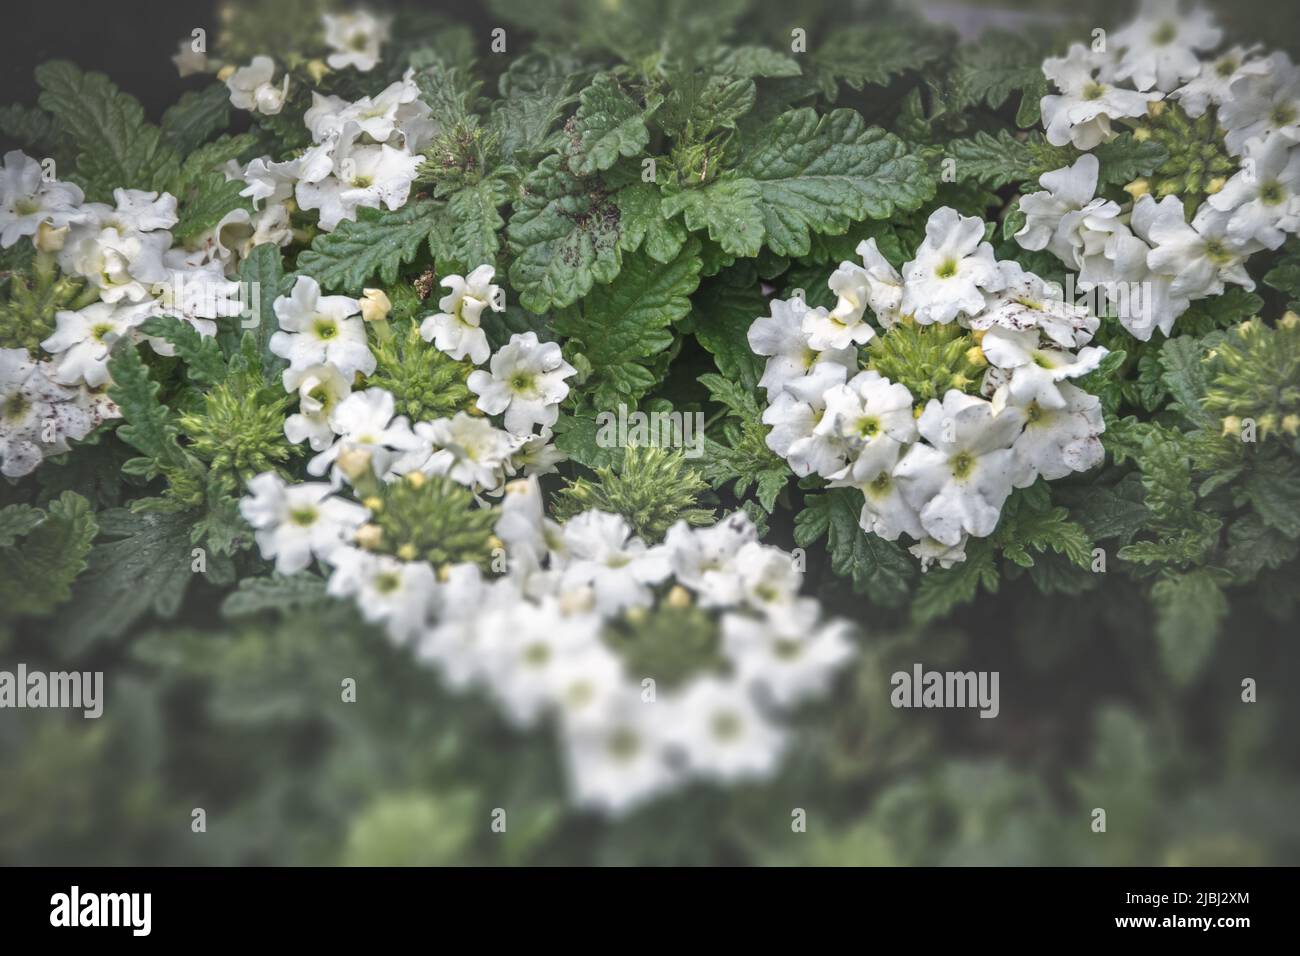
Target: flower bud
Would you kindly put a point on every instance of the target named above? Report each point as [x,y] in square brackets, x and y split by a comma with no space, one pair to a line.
[317,69]
[1138,188]
[354,463]
[370,536]
[50,239]
[678,597]
[375,305]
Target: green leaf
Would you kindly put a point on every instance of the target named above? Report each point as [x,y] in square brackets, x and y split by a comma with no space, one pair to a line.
[564,235]
[379,242]
[805,174]
[16,521]
[1189,611]
[861,55]
[754,61]
[1183,374]
[275,593]
[205,364]
[722,313]
[473,239]
[1004,158]
[197,116]
[989,70]
[643,223]
[146,569]
[1273,489]
[119,148]
[263,271]
[608,125]
[623,323]
[880,569]
[536,91]
[205,201]
[576,436]
[149,426]
[37,573]
[943,589]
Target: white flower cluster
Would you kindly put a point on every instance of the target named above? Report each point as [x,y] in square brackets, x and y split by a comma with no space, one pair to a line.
[941,473]
[323,338]
[38,415]
[1149,261]
[363,154]
[533,636]
[125,254]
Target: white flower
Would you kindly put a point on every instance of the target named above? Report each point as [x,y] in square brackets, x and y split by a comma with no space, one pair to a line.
[1263,104]
[1058,441]
[885,511]
[791,664]
[722,733]
[469,449]
[1081,114]
[843,326]
[526,382]
[704,559]
[951,267]
[139,210]
[617,565]
[320,389]
[363,177]
[780,336]
[1159,47]
[270,182]
[1065,218]
[529,536]
[188,60]
[1028,302]
[27,200]
[38,415]
[959,481]
[198,296]
[794,416]
[123,265]
[239,231]
[1036,370]
[455,330]
[929,552]
[251,87]
[1200,257]
[537,455]
[869,416]
[84,339]
[615,755]
[318,329]
[1213,85]
[396,593]
[355,39]
[769,581]
[1263,198]
[397,116]
[293,523]
[884,284]
[364,421]
[539,656]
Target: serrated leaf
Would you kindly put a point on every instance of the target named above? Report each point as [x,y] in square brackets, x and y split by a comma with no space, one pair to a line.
[378,242]
[880,569]
[996,160]
[576,436]
[36,573]
[149,426]
[564,235]
[473,239]
[275,593]
[619,325]
[16,521]
[119,148]
[147,568]
[644,225]
[205,201]
[806,174]
[944,589]
[989,70]
[196,117]
[608,125]
[263,271]
[722,314]
[536,91]
[754,61]
[861,55]
[1189,610]
[205,364]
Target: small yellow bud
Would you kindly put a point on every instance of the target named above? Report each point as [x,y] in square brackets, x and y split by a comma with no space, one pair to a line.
[520,486]
[577,601]
[635,615]
[444,572]
[407,552]
[1142,134]
[226,72]
[1288,320]
[373,502]
[354,463]
[678,597]
[1231,425]
[975,355]
[1214,185]
[375,305]
[1138,188]
[50,239]
[1291,424]
[474,410]
[416,479]
[370,536]
[1267,423]
[494,542]
[317,69]
[1156,108]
